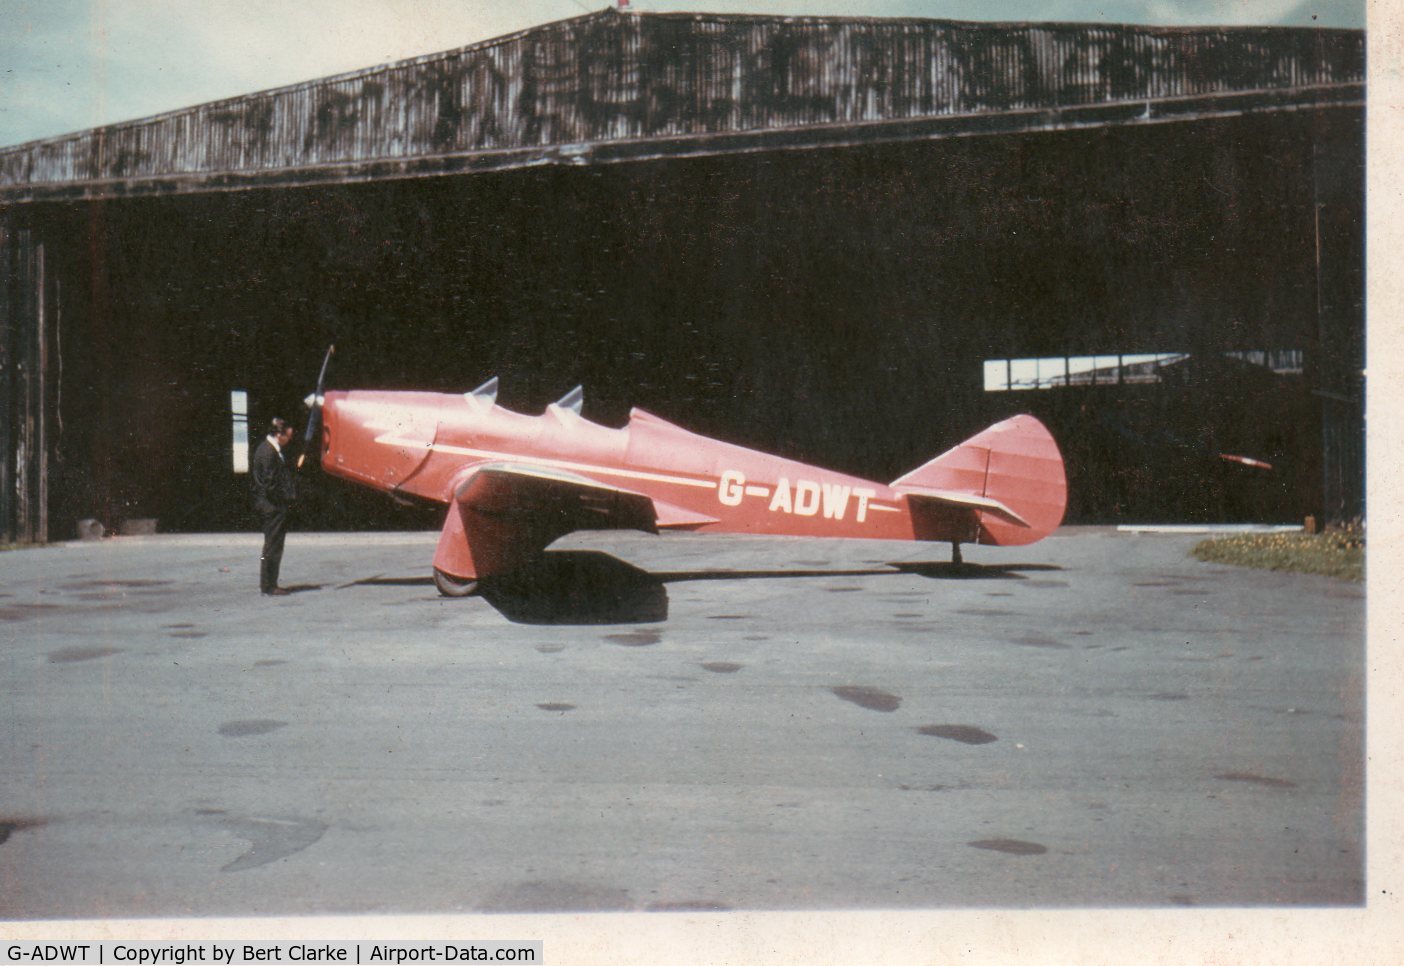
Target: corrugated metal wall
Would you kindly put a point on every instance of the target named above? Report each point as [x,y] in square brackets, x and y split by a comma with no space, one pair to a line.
[24,394]
[611,77]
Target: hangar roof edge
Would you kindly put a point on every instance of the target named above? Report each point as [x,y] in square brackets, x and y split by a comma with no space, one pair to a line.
[610,78]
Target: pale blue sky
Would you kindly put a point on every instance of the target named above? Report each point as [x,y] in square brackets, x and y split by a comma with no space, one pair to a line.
[66,65]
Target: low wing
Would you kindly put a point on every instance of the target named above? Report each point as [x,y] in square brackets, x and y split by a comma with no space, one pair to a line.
[502,514]
[524,490]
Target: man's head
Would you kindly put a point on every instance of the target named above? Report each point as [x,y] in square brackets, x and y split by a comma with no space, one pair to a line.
[281,430]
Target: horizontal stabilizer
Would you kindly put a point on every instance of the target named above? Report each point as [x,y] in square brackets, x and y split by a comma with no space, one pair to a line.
[969,501]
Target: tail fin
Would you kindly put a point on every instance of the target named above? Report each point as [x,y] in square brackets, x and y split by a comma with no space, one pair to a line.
[1004,486]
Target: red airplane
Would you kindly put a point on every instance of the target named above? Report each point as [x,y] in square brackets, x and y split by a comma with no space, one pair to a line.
[515,483]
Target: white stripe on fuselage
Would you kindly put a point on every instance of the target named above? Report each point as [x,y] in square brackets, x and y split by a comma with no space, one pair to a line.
[557,464]
[586,467]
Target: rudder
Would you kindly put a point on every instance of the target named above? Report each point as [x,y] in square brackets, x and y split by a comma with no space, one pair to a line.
[1015,464]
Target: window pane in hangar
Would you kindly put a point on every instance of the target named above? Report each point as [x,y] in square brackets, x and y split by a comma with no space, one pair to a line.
[239,407]
[1081,370]
[996,375]
[1023,373]
[1140,368]
[1052,372]
[1107,371]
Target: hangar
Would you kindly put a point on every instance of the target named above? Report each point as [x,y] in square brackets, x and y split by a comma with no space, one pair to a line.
[850,241]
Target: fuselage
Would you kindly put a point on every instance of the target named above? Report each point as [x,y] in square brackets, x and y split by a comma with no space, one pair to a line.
[423,444]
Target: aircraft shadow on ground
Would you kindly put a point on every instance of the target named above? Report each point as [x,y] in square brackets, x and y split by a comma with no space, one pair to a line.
[577,587]
[591,587]
[946,570]
[390,582]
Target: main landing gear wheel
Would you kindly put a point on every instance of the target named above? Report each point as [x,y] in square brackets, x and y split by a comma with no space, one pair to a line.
[451,586]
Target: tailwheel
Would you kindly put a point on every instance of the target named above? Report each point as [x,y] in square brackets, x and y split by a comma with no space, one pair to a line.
[451,586]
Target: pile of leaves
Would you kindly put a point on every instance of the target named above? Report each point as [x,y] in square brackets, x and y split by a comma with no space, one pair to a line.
[1338,552]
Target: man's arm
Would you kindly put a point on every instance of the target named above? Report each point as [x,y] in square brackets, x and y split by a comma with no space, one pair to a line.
[287,482]
[261,479]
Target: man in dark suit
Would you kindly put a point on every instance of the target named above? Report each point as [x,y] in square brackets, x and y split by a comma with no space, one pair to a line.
[274,492]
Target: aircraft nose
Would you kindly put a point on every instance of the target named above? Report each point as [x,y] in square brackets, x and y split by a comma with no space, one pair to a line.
[328,409]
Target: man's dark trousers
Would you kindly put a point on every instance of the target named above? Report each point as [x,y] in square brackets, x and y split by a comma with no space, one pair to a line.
[275,529]
[274,492]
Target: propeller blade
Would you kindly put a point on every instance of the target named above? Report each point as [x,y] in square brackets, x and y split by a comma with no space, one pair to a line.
[314,402]
[322,376]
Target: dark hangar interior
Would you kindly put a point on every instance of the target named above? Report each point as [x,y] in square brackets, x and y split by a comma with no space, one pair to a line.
[849,241]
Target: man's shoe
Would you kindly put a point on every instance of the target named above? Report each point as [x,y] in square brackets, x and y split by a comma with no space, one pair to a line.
[277,592]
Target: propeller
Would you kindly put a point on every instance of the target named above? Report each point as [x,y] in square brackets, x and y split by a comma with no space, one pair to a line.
[314,403]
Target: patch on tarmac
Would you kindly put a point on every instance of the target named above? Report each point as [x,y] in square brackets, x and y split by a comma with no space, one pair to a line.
[271,839]
[1009,846]
[865,697]
[1039,640]
[635,638]
[69,654]
[9,826]
[22,612]
[965,734]
[1251,779]
[253,726]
